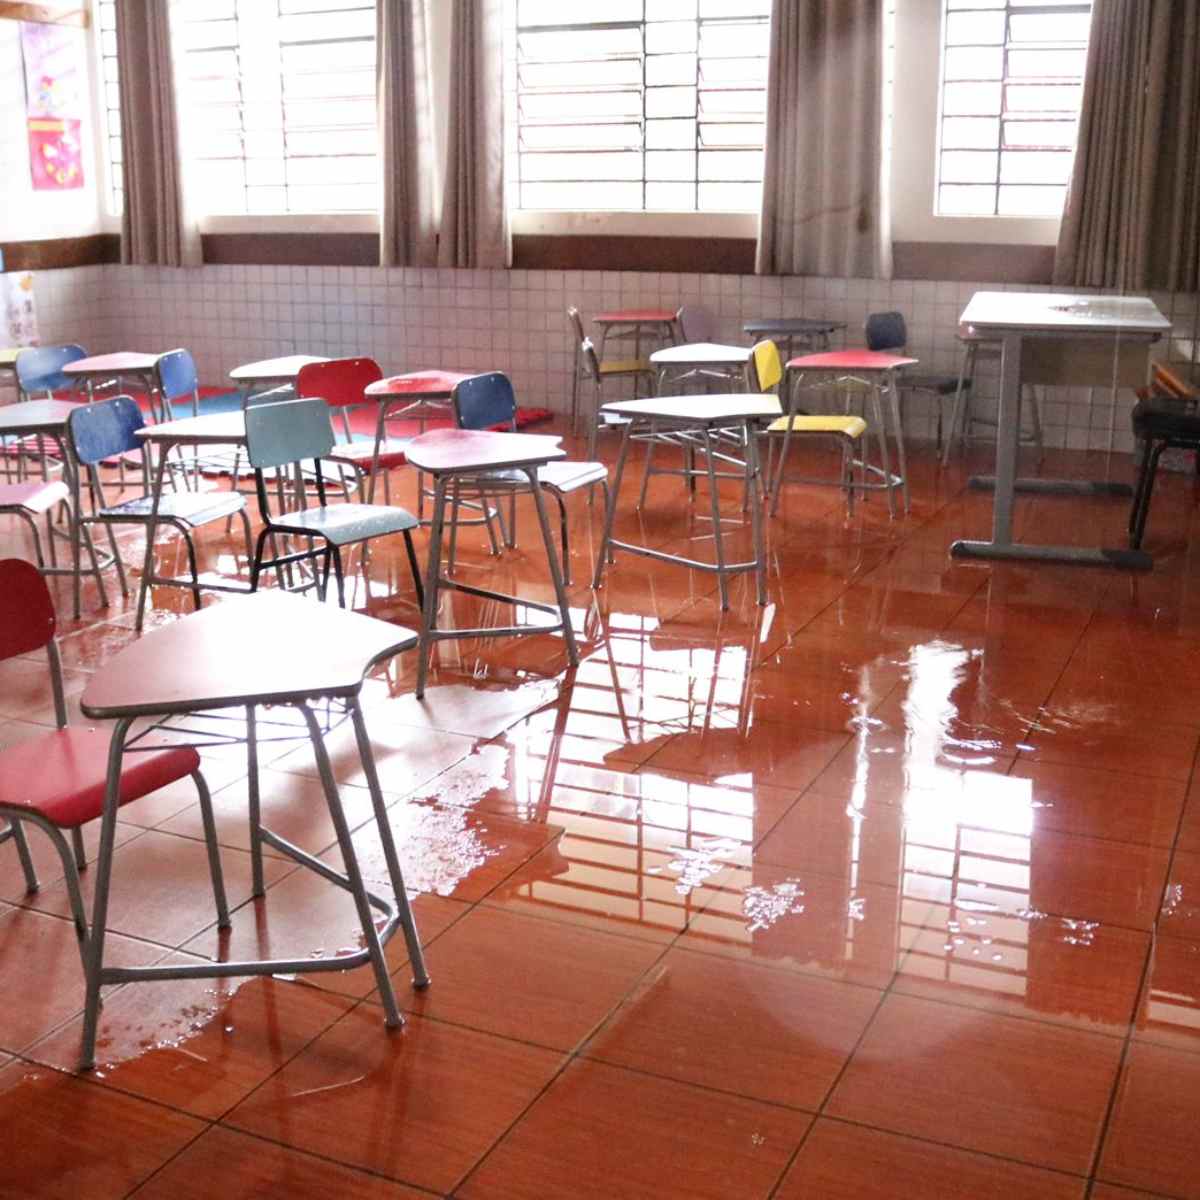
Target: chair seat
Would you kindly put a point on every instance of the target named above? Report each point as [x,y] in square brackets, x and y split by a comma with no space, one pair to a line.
[625,366]
[190,508]
[851,360]
[1151,420]
[392,453]
[852,427]
[943,385]
[345,524]
[61,774]
[35,497]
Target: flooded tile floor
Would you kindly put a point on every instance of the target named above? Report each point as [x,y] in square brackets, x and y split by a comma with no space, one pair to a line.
[888,889]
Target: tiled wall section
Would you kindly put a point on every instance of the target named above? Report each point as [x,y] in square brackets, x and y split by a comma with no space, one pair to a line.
[513,321]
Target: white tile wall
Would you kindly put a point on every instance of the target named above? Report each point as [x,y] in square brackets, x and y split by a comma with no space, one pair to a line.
[410,318]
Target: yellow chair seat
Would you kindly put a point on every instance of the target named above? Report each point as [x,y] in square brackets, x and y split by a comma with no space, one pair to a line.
[851,427]
[625,366]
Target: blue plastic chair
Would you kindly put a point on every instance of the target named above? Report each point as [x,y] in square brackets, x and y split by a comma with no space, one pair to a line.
[108,429]
[487,402]
[40,369]
[177,380]
[288,434]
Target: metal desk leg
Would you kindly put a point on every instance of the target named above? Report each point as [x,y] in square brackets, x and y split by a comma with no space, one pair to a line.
[151,528]
[555,571]
[715,500]
[897,425]
[756,513]
[254,801]
[609,516]
[383,982]
[432,577]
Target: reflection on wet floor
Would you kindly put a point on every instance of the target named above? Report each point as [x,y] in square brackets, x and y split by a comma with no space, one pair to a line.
[912,840]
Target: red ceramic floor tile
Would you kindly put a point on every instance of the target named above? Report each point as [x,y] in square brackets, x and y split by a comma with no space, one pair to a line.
[46,860]
[26,693]
[1151,1139]
[421,1104]
[807,922]
[1189,826]
[1169,1009]
[1180,916]
[1160,750]
[738,1027]
[34,946]
[198,1045]
[1076,973]
[161,890]
[1037,1093]
[1103,804]
[672,1138]
[240,1167]
[850,1162]
[536,981]
[115,1141]
[778,755]
[1108,1191]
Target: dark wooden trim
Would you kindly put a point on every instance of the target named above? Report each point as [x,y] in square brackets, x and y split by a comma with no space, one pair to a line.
[44,14]
[715,256]
[293,249]
[966,262]
[49,254]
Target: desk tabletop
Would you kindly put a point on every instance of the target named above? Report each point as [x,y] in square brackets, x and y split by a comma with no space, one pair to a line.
[444,451]
[287,367]
[787,325]
[272,646]
[423,385]
[111,364]
[636,316]
[8,355]
[31,415]
[701,354]
[1064,312]
[699,410]
[212,429]
[851,360]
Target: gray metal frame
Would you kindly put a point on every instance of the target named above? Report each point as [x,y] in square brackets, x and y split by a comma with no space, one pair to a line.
[697,434]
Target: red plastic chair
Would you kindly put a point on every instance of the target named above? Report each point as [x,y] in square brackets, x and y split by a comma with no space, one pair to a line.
[341,383]
[56,780]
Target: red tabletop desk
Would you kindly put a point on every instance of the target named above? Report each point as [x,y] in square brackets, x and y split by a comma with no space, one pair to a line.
[270,648]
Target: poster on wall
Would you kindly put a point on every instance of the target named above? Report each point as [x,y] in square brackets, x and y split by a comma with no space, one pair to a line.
[18,315]
[55,79]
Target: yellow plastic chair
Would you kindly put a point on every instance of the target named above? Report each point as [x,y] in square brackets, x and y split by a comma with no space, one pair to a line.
[847,430]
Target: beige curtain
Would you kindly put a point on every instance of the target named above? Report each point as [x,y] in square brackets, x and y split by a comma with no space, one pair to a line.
[824,201]
[474,225]
[407,225]
[1132,215]
[154,226]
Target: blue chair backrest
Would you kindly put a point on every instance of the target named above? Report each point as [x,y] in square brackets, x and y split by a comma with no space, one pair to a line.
[485,401]
[886,331]
[39,368]
[278,434]
[177,374]
[104,429]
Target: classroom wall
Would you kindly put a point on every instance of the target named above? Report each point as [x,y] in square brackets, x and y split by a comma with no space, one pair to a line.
[515,321]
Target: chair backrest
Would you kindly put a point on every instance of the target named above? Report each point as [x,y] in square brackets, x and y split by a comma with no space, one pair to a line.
[26,609]
[278,434]
[768,366]
[886,331]
[40,368]
[104,429]
[695,324]
[177,376]
[339,382]
[1167,383]
[576,323]
[485,401]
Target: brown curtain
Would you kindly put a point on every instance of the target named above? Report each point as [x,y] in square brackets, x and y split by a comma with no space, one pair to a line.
[1132,215]
[154,226]
[474,225]
[823,204]
[407,225]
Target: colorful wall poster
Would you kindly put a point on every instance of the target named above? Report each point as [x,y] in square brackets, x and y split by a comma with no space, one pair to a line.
[55,79]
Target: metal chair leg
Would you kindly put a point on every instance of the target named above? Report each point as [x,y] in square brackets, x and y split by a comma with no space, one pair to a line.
[414,568]
[560,591]
[432,576]
[214,853]
[17,833]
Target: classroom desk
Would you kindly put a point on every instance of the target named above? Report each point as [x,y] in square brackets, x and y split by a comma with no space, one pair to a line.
[711,358]
[124,364]
[270,373]
[655,324]
[270,648]
[813,333]
[1057,339]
